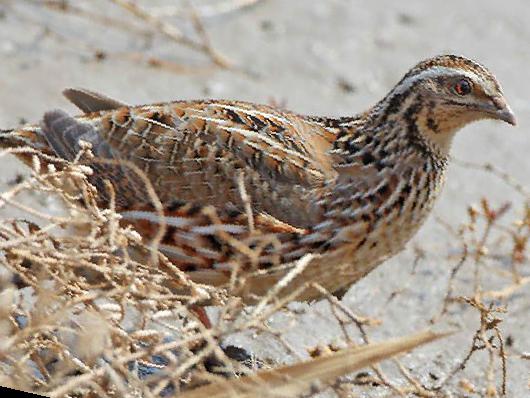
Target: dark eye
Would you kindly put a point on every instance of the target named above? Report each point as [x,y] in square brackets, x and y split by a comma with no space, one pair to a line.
[463,87]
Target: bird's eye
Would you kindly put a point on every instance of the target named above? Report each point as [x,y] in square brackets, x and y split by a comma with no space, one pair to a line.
[462,87]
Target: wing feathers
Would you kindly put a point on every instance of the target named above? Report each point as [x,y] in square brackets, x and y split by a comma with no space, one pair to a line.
[195,150]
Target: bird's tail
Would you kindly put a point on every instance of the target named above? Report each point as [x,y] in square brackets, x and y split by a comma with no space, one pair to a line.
[6,138]
[23,142]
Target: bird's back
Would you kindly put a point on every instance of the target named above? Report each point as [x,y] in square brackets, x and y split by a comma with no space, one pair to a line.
[195,151]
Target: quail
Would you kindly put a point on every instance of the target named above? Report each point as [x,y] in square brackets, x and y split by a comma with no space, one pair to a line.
[351,191]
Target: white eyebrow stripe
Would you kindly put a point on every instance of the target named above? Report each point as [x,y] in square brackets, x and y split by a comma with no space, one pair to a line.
[435,71]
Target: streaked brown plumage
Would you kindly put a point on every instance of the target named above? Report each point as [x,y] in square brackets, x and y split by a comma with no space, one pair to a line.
[351,190]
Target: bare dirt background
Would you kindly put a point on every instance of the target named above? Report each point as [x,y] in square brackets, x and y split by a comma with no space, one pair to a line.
[333,57]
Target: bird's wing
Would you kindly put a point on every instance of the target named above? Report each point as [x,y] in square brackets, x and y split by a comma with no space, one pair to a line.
[196,150]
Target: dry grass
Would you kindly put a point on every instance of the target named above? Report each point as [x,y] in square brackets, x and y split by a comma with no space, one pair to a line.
[144,23]
[80,315]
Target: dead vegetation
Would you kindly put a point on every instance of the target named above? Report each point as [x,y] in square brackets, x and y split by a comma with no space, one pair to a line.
[81,315]
[86,309]
[144,23]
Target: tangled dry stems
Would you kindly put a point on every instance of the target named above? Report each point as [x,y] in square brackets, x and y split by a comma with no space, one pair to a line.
[81,315]
[88,308]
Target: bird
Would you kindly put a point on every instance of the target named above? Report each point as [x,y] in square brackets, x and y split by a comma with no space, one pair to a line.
[266,192]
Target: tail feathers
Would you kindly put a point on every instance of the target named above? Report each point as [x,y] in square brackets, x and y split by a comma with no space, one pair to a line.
[8,139]
[64,132]
[29,136]
[25,137]
[4,135]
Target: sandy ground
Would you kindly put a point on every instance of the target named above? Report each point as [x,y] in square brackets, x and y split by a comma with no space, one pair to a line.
[333,57]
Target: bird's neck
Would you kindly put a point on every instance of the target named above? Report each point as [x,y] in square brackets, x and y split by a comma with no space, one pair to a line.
[389,172]
[426,124]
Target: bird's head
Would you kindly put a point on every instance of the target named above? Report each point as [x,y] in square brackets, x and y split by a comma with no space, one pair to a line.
[441,95]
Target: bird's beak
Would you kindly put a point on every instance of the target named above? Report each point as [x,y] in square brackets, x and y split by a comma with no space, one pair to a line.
[502,111]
